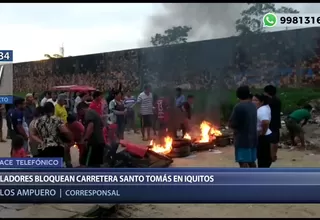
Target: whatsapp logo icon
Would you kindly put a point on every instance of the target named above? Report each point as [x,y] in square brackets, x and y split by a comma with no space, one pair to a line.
[269,20]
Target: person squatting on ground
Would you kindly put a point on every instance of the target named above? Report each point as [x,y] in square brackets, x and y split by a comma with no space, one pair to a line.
[51,134]
[275,123]
[18,122]
[295,122]
[243,121]
[145,99]
[17,149]
[93,137]
[264,151]
[39,112]
[118,113]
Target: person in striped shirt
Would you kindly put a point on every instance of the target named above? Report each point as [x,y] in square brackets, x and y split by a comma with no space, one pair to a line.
[145,100]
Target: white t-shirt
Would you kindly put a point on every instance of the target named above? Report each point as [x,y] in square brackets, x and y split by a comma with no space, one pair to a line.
[53,102]
[76,102]
[146,103]
[263,114]
[43,101]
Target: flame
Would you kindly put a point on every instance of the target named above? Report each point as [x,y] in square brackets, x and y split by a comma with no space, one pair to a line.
[187,136]
[162,149]
[208,132]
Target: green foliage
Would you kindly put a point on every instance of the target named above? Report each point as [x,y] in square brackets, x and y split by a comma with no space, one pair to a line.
[251,18]
[174,35]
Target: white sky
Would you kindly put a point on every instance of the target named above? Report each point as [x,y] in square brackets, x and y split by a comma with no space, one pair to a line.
[33,29]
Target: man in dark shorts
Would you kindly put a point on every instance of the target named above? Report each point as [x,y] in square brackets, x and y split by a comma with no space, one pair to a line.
[275,123]
[244,123]
[187,111]
[93,137]
[295,121]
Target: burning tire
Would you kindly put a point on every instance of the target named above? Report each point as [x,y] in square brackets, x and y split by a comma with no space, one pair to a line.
[180,150]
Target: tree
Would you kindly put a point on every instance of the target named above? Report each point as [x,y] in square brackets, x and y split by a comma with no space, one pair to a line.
[54,56]
[251,18]
[174,35]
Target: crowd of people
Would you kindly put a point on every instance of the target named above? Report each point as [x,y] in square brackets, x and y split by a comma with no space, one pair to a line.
[51,126]
[256,121]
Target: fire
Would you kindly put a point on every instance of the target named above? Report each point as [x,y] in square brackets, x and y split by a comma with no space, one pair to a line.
[208,133]
[162,149]
[187,136]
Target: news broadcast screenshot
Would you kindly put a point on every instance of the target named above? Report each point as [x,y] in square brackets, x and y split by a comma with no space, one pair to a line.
[159,110]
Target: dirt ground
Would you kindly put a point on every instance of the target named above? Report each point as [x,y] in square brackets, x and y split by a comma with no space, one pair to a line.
[287,158]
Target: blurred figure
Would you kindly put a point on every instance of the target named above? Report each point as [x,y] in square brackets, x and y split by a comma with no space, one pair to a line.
[2,108]
[77,130]
[93,137]
[17,147]
[118,113]
[264,153]
[9,108]
[180,99]
[161,111]
[243,121]
[96,104]
[30,108]
[59,109]
[187,113]
[50,133]
[47,96]
[53,98]
[145,99]
[275,123]
[18,122]
[295,122]
[32,129]
[129,103]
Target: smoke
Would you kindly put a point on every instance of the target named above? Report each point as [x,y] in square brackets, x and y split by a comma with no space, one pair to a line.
[208,20]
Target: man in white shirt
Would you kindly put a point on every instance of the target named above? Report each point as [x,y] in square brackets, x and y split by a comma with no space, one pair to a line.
[145,100]
[45,98]
[53,99]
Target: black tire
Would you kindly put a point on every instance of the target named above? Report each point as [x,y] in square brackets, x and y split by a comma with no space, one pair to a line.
[181,141]
[182,151]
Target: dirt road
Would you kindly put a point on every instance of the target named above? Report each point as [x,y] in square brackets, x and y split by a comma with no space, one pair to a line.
[208,159]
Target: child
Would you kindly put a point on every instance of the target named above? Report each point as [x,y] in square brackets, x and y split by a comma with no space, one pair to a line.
[17,147]
[77,130]
[161,111]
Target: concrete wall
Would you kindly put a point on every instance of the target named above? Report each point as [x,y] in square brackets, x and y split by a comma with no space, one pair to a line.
[281,58]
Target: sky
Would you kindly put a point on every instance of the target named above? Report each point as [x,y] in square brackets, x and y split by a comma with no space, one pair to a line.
[35,29]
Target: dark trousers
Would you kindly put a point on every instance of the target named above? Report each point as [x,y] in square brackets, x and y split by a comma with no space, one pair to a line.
[93,155]
[264,151]
[9,126]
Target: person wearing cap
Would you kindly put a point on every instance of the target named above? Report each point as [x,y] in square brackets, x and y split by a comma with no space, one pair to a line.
[59,109]
[29,109]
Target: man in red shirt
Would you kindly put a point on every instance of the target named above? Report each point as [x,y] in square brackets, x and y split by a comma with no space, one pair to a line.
[161,107]
[96,104]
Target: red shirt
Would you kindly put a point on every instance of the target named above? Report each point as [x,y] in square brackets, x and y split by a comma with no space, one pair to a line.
[21,153]
[97,106]
[77,130]
[162,109]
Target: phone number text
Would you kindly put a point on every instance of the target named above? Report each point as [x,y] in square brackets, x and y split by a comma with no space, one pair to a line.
[298,20]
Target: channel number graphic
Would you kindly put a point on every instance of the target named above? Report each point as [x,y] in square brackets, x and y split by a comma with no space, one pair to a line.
[291,20]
